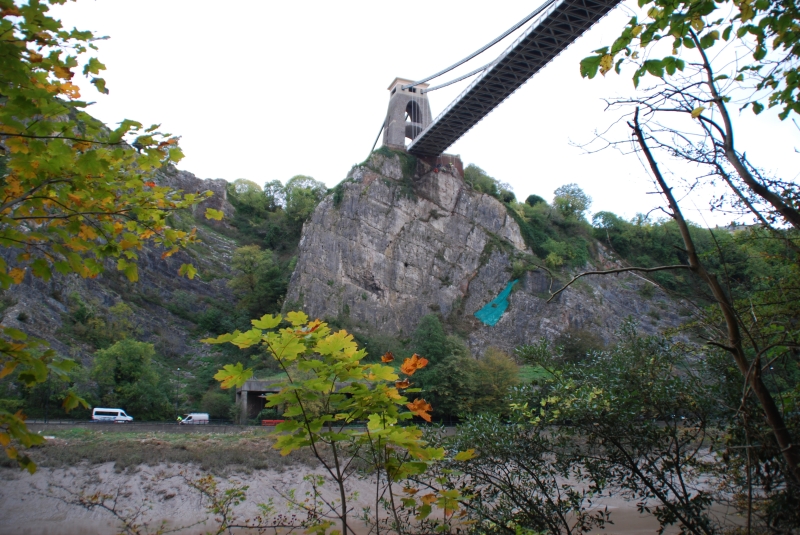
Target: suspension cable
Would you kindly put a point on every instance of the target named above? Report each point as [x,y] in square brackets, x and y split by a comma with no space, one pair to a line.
[451,82]
[379,133]
[484,48]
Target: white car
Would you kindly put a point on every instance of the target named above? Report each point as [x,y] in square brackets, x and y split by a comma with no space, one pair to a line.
[195,418]
[116,416]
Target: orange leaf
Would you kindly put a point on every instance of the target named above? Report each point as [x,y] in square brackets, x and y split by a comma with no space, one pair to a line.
[17,274]
[429,499]
[413,364]
[420,408]
[388,357]
[410,490]
[150,184]
[402,384]
[63,72]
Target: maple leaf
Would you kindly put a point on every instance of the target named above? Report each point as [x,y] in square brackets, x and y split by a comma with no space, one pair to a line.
[405,383]
[410,365]
[233,375]
[429,499]
[388,357]
[421,408]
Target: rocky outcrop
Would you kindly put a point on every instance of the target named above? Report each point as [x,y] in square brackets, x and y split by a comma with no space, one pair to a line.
[39,307]
[389,247]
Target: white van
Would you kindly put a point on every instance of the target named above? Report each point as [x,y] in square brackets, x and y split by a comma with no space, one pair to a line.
[195,418]
[110,415]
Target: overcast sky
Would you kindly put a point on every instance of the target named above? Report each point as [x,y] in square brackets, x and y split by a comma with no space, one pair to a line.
[265,90]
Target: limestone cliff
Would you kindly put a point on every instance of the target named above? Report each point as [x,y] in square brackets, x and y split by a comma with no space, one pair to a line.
[39,308]
[397,241]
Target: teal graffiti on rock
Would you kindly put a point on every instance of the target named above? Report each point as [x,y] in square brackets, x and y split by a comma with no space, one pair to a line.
[490,314]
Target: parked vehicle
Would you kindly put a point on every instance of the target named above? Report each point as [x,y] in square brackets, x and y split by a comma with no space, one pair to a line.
[116,416]
[195,418]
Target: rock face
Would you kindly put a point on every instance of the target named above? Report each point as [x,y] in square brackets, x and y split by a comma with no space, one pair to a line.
[38,307]
[388,248]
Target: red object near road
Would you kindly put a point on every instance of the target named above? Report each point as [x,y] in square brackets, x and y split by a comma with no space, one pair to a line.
[271,422]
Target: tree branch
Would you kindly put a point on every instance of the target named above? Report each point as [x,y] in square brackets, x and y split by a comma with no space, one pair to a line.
[618,270]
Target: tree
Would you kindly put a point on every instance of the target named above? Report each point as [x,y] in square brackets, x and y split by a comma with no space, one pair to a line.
[127,378]
[75,196]
[532,200]
[480,181]
[429,339]
[275,195]
[259,283]
[571,201]
[303,194]
[327,389]
[754,323]
[769,25]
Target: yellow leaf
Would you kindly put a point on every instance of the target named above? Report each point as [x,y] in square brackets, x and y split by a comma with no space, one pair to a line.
[87,232]
[213,214]
[63,72]
[8,368]
[429,499]
[17,274]
[697,111]
[465,455]
[5,440]
[70,89]
[297,318]
[392,393]
[637,30]
[605,63]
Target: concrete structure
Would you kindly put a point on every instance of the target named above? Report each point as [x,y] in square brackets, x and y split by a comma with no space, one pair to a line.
[411,103]
[250,398]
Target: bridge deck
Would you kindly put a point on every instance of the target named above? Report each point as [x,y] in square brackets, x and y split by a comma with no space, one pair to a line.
[556,28]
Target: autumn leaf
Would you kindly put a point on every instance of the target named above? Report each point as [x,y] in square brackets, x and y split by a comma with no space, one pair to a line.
[697,111]
[605,63]
[410,490]
[428,499]
[410,365]
[402,384]
[388,357]
[421,408]
[465,455]
[17,274]
[233,375]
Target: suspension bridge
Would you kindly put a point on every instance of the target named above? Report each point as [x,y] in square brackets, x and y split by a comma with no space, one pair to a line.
[556,24]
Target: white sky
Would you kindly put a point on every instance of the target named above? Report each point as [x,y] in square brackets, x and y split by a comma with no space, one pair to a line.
[265,90]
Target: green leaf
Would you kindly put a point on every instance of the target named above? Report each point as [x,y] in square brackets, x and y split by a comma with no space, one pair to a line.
[214,214]
[589,66]
[757,107]
[465,455]
[726,34]
[41,269]
[267,321]
[221,339]
[297,318]
[187,270]
[233,375]
[129,269]
[14,334]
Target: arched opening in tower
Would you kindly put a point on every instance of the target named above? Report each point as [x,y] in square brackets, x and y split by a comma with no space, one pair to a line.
[414,119]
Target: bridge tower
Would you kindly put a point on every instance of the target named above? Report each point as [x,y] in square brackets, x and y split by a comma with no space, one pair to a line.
[409,113]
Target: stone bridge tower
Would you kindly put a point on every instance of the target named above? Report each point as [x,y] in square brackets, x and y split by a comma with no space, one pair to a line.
[409,113]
